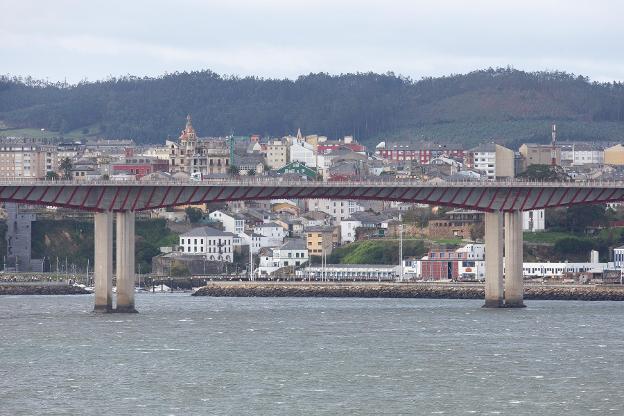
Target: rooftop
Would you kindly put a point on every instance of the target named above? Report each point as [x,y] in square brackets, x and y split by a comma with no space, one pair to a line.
[206,232]
[268,225]
[294,244]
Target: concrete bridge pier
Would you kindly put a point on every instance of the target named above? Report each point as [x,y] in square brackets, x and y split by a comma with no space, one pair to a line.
[514,284]
[125,262]
[103,271]
[493,260]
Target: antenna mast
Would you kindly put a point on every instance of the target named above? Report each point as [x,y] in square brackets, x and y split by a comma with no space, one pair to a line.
[553,150]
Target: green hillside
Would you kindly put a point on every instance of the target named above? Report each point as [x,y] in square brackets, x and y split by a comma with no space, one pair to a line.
[504,104]
[376,252]
[74,239]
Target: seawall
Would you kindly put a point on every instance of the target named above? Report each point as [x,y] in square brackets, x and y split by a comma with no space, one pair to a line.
[401,290]
[40,289]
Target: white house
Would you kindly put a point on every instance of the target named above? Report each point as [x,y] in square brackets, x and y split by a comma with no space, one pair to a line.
[533,220]
[293,253]
[275,233]
[348,230]
[301,151]
[364,219]
[215,245]
[232,223]
[338,209]
[259,241]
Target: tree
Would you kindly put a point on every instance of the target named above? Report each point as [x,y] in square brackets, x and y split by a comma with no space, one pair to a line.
[105,177]
[251,172]
[544,173]
[580,217]
[573,247]
[477,231]
[52,176]
[193,214]
[233,170]
[179,269]
[66,166]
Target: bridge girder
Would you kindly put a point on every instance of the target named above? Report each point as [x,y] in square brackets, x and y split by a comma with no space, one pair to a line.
[137,196]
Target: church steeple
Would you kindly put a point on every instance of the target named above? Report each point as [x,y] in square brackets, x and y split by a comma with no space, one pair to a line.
[188,134]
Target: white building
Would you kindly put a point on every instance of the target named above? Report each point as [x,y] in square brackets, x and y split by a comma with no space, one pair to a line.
[579,154]
[618,257]
[473,251]
[338,209]
[215,245]
[373,272]
[533,220]
[560,269]
[348,229]
[259,241]
[232,223]
[493,160]
[293,253]
[275,233]
[301,151]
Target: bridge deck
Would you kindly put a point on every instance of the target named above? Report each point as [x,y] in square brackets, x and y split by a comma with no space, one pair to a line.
[146,195]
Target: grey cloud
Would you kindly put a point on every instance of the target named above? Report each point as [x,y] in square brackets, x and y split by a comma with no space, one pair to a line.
[279,38]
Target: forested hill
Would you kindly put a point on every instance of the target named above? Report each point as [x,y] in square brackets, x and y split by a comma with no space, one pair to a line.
[505,104]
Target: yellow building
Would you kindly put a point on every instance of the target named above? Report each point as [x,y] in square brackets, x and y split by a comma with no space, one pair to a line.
[22,158]
[614,155]
[277,154]
[539,154]
[319,240]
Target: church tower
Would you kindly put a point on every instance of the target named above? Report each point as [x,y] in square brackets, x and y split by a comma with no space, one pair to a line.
[188,134]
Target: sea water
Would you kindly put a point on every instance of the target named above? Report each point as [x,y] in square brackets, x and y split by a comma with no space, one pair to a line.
[288,356]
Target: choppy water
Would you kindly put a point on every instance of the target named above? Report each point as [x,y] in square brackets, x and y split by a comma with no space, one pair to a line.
[196,356]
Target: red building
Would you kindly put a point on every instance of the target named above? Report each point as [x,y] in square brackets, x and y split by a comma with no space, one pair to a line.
[423,154]
[442,265]
[140,166]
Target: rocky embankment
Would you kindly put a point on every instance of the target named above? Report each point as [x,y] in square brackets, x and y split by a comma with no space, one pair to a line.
[43,289]
[458,291]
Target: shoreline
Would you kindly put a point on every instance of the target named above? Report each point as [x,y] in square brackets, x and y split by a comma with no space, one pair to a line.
[16,289]
[402,290]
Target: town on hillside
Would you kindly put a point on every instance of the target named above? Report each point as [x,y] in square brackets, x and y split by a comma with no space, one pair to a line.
[322,239]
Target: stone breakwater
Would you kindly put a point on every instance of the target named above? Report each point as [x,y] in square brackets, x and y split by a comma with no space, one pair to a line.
[17,289]
[590,293]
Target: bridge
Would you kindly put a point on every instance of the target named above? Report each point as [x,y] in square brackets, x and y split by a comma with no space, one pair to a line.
[501,201]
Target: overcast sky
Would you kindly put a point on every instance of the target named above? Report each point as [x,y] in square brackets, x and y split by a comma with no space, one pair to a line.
[75,40]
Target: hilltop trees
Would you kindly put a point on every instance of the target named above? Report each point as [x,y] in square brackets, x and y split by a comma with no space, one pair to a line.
[366,105]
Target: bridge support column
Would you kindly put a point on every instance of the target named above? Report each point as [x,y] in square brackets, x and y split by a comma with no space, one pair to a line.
[103,270]
[493,260]
[514,285]
[125,262]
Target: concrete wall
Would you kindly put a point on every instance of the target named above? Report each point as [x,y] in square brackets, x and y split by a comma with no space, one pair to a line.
[504,165]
